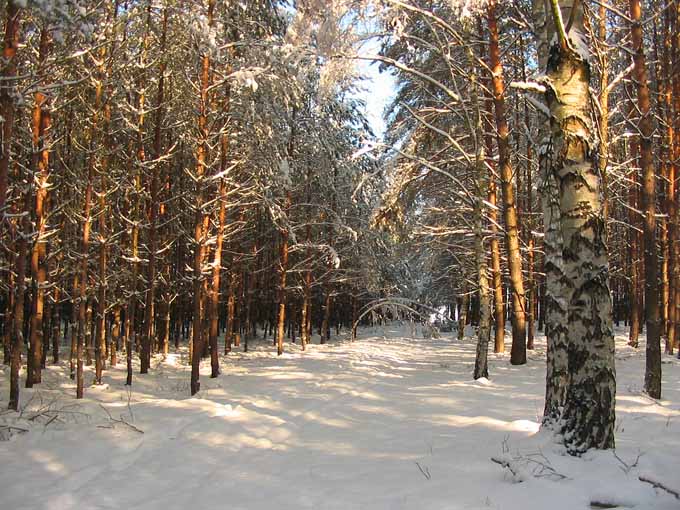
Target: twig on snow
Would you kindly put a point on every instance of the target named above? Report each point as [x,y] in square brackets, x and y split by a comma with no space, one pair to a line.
[121,420]
[624,466]
[510,466]
[426,471]
[658,485]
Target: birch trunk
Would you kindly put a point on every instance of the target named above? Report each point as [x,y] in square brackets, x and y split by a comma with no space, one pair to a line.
[556,288]
[588,417]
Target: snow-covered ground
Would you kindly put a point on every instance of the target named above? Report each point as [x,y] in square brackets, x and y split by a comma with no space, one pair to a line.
[387,422]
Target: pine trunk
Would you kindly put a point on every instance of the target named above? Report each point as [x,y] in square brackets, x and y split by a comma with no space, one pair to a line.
[653,344]
[518,355]
[201,220]
[41,171]
[7,93]
[18,313]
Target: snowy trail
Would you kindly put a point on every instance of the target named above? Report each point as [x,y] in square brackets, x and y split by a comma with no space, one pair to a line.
[387,422]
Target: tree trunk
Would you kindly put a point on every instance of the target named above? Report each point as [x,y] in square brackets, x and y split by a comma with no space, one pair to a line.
[115,336]
[588,417]
[56,326]
[496,273]
[148,332]
[326,321]
[202,220]
[83,280]
[668,176]
[217,270]
[673,105]
[463,301]
[283,269]
[41,172]
[231,309]
[518,355]
[484,329]
[7,96]
[100,338]
[18,314]
[645,129]
[131,310]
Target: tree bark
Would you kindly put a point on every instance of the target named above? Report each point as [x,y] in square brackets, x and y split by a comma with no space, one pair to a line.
[518,354]
[484,328]
[217,270]
[283,270]
[202,219]
[18,314]
[588,417]
[645,129]
[7,100]
[41,172]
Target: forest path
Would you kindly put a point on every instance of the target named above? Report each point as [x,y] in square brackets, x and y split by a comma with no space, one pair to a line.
[386,422]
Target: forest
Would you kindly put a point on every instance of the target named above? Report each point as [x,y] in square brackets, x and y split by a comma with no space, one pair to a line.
[201,220]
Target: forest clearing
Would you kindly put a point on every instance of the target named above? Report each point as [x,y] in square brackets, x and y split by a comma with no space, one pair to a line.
[388,421]
[340,253]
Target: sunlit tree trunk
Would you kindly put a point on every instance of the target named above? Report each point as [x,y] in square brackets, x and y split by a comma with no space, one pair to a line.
[41,169]
[603,124]
[8,73]
[556,290]
[494,245]
[100,335]
[7,99]
[518,351]
[202,221]
[231,309]
[668,174]
[673,105]
[587,420]
[634,233]
[645,129]
[147,326]
[217,270]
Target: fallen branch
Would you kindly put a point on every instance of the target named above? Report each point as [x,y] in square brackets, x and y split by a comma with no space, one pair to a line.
[12,427]
[426,472]
[122,420]
[625,467]
[510,466]
[599,504]
[543,468]
[658,485]
[6,431]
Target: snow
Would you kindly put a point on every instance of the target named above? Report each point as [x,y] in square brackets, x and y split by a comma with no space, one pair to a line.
[386,422]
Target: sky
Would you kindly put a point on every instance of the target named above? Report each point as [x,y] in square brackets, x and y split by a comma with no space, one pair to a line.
[379,88]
